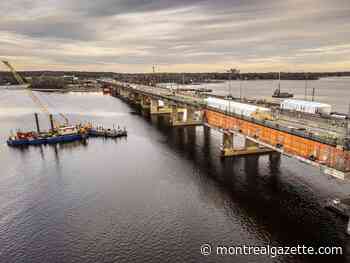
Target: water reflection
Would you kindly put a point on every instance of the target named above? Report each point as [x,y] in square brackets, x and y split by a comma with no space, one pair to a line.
[272,204]
[161,189]
[57,149]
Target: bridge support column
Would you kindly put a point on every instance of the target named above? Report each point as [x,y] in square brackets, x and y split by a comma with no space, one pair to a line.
[124,93]
[275,158]
[229,149]
[185,116]
[145,102]
[131,97]
[135,98]
[159,107]
[115,92]
[252,147]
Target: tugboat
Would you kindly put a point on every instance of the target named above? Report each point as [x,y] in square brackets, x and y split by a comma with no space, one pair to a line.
[278,94]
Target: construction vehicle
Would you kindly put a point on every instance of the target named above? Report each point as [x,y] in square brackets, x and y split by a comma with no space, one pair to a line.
[58,133]
[18,78]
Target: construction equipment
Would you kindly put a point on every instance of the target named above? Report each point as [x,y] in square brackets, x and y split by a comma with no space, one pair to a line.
[36,100]
[18,77]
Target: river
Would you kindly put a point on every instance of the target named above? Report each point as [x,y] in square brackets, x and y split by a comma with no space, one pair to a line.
[156,196]
[334,91]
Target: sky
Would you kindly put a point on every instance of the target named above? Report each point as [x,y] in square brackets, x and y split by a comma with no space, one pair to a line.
[176,35]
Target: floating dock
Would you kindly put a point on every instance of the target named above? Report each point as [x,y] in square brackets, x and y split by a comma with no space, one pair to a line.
[107,133]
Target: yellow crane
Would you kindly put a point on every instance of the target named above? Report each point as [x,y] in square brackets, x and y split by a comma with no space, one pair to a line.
[18,77]
[36,100]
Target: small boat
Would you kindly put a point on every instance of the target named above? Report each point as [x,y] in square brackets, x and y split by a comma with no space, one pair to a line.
[278,94]
[110,133]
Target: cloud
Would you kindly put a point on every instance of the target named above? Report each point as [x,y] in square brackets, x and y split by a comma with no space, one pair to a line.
[196,35]
[104,8]
[50,27]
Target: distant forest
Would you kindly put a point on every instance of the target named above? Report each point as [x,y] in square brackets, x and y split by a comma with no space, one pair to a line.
[186,78]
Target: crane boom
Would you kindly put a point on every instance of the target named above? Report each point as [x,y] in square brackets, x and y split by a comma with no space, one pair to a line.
[65,118]
[36,100]
[18,77]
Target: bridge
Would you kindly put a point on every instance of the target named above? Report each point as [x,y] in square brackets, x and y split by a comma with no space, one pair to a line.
[315,141]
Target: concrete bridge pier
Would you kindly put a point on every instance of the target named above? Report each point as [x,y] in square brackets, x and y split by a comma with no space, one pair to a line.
[159,107]
[115,91]
[145,102]
[131,97]
[135,98]
[185,116]
[275,158]
[207,137]
[124,93]
[250,147]
[227,148]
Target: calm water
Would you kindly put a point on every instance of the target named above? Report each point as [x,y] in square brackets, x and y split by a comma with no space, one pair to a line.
[153,197]
[335,91]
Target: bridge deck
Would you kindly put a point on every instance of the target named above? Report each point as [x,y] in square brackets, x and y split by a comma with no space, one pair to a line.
[310,140]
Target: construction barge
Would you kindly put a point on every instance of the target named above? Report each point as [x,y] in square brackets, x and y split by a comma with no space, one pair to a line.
[100,131]
[62,134]
[58,133]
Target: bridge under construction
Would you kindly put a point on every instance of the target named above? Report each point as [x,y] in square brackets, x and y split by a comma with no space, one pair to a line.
[314,141]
